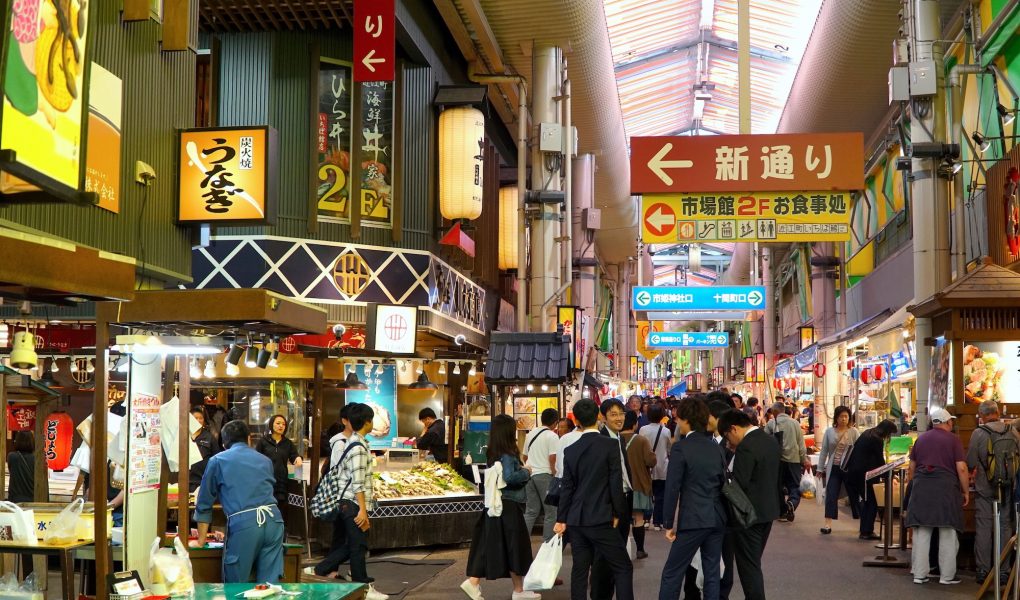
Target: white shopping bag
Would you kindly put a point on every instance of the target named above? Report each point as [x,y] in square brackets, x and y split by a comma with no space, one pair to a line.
[820,491]
[546,566]
[16,524]
[631,547]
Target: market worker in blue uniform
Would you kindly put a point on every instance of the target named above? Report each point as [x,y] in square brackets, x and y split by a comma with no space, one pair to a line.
[242,480]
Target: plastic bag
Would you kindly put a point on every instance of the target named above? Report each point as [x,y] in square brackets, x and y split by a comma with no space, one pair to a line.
[64,527]
[820,492]
[16,523]
[170,570]
[807,483]
[546,566]
[631,547]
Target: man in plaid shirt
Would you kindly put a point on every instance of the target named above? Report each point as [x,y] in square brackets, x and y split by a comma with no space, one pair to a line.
[357,499]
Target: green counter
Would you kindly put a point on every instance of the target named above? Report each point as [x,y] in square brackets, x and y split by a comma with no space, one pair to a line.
[308,591]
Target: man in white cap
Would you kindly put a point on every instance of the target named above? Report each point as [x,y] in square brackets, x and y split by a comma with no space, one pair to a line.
[939,484]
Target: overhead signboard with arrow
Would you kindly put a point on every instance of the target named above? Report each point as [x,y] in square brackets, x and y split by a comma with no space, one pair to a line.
[374,40]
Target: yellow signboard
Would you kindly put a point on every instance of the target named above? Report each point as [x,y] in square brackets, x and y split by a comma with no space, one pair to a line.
[643,329]
[102,148]
[225,175]
[750,217]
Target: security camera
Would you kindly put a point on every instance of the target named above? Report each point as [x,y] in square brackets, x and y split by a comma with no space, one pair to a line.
[459,339]
[339,330]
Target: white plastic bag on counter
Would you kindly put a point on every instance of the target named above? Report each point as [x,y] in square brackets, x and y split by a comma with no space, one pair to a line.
[64,527]
[170,570]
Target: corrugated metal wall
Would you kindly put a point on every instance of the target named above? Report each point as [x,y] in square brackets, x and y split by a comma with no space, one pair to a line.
[264,80]
[159,98]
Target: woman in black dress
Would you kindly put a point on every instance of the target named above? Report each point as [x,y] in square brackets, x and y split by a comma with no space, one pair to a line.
[21,466]
[868,454]
[501,546]
[281,451]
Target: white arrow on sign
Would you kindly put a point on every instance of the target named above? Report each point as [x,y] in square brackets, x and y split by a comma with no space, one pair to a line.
[660,220]
[755,298]
[659,164]
[643,298]
[369,61]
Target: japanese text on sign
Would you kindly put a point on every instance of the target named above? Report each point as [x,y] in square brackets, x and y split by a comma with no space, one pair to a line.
[334,140]
[740,297]
[223,174]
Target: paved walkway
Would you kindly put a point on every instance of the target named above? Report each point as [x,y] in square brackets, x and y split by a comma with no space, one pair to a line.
[799,563]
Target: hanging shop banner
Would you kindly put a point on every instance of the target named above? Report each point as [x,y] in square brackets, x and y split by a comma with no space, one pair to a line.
[569,317]
[760,366]
[733,163]
[689,340]
[227,175]
[391,328]
[376,153]
[144,453]
[644,329]
[805,359]
[899,363]
[374,40]
[333,134]
[938,380]
[746,217]
[749,369]
[381,395]
[734,297]
[102,148]
[21,417]
[783,369]
[641,370]
[633,368]
[44,97]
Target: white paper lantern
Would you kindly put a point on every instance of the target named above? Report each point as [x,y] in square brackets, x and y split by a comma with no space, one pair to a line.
[461,135]
[508,227]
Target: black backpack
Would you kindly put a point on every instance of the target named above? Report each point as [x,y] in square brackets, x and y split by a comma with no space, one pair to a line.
[1003,458]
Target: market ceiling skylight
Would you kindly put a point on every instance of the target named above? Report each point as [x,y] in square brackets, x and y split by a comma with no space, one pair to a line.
[676,70]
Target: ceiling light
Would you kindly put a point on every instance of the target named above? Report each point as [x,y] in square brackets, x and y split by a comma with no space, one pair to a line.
[194,371]
[423,383]
[529,387]
[980,141]
[419,369]
[262,361]
[472,371]
[1007,115]
[251,357]
[858,342]
[403,366]
[351,382]
[54,367]
[442,368]
[233,370]
[545,388]
[234,355]
[74,365]
[274,358]
[459,339]
[167,345]
[456,368]
[210,369]
[92,366]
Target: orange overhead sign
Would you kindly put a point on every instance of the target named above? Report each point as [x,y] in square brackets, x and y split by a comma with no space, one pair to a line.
[738,163]
[226,175]
[643,329]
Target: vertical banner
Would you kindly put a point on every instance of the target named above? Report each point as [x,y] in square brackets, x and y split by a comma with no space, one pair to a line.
[334,139]
[376,152]
[144,458]
[375,46]
[381,395]
[102,153]
[568,317]
[44,88]
[641,370]
[633,368]
[759,367]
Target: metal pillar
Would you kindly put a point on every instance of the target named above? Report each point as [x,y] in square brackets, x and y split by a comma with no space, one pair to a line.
[545,176]
[929,194]
[583,287]
[769,326]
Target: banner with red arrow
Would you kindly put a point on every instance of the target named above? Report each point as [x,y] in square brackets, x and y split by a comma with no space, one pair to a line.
[741,163]
[374,40]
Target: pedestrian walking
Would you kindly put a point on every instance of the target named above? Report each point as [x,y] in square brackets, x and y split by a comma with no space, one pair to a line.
[641,460]
[658,435]
[613,417]
[756,466]
[501,545]
[695,479]
[939,489]
[794,455]
[868,454]
[837,443]
[540,447]
[592,503]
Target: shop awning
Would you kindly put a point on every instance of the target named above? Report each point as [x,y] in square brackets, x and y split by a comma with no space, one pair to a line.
[528,358]
[890,323]
[855,330]
[988,286]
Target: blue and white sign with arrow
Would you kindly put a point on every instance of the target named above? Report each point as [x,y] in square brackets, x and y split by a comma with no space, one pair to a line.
[688,339]
[732,297]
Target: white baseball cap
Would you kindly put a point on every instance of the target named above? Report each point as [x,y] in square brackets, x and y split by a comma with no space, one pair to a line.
[941,415]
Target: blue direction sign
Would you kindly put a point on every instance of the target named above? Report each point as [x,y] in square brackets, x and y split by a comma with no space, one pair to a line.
[732,297]
[688,339]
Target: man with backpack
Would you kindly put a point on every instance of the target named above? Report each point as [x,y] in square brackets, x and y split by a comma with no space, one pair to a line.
[993,453]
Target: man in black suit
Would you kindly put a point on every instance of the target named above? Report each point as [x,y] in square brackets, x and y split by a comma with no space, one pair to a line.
[697,471]
[613,414]
[592,503]
[756,470]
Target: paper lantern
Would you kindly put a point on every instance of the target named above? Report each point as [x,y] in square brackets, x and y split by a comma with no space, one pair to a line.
[878,371]
[819,370]
[23,354]
[461,135]
[57,437]
[866,375]
[793,383]
[509,227]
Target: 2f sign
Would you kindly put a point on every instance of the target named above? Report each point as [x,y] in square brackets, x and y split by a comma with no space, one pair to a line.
[374,40]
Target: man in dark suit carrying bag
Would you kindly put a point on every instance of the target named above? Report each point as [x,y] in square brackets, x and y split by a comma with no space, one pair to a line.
[756,471]
[592,502]
[697,471]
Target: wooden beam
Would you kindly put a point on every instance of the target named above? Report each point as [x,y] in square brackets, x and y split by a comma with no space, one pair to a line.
[164,470]
[176,25]
[269,14]
[486,39]
[457,29]
[347,12]
[300,23]
[136,10]
[317,401]
[332,13]
[184,444]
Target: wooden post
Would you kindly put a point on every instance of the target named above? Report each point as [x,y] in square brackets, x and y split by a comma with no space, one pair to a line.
[43,409]
[184,446]
[99,477]
[164,474]
[316,434]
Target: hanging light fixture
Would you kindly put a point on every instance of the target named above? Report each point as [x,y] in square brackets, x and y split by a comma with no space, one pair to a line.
[91,368]
[456,368]
[419,369]
[980,141]
[210,369]
[423,383]
[233,370]
[251,357]
[234,354]
[461,133]
[529,387]
[508,227]
[403,366]
[472,371]
[73,364]
[1008,116]
[194,371]
[23,354]
[262,360]
[442,368]
[274,358]
[54,367]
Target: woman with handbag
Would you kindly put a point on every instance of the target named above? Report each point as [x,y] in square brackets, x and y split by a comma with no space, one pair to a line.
[837,446]
[641,459]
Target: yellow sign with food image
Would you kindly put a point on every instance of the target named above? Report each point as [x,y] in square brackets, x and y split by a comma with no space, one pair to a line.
[43,82]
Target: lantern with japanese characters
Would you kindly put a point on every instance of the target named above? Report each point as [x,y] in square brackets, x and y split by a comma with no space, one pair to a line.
[461,137]
[57,436]
[508,228]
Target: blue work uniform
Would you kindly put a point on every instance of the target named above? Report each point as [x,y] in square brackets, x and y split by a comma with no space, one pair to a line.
[243,481]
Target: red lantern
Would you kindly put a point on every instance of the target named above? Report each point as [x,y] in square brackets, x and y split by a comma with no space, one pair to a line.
[778,384]
[793,383]
[819,370]
[57,437]
[878,371]
[866,375]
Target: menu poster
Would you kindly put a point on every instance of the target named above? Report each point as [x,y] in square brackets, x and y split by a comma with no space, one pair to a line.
[144,447]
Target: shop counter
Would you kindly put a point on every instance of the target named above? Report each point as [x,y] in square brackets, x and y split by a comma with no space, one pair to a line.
[207,563]
[64,550]
[414,521]
[299,591]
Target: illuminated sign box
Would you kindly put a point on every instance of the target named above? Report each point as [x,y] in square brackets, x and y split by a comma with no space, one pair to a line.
[227,176]
[391,329]
[734,297]
[689,339]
